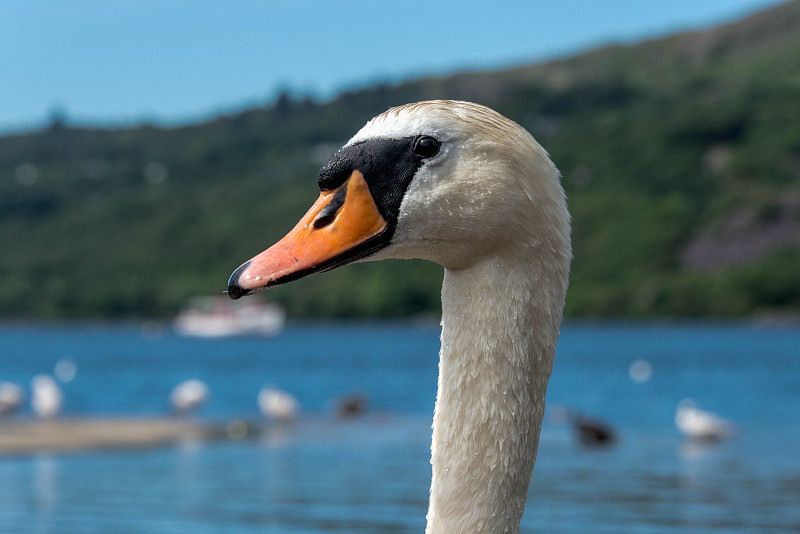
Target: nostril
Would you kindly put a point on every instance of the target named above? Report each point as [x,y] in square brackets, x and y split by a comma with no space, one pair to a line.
[323,220]
[328,214]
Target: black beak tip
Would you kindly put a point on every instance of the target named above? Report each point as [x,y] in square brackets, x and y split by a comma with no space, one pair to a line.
[235,291]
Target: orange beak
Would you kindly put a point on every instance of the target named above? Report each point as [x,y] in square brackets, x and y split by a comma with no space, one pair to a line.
[342,226]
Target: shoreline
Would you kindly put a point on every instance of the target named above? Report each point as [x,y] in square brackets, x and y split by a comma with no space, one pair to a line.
[80,434]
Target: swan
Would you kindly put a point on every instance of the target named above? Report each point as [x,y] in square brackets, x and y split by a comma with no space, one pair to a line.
[188,396]
[461,185]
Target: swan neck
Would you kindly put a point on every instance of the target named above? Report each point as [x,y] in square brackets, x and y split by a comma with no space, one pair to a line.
[500,324]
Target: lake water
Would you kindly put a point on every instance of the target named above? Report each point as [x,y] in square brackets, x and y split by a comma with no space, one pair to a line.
[323,475]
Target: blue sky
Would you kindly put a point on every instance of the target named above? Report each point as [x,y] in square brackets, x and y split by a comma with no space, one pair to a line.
[173,61]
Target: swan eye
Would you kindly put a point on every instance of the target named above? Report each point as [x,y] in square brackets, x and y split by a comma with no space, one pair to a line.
[426,147]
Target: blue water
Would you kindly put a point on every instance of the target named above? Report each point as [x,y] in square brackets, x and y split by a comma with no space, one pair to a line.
[322,475]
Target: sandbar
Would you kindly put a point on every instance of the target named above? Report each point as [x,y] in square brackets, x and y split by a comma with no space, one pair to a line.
[22,437]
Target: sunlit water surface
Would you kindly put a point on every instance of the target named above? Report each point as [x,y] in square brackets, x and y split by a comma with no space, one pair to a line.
[323,475]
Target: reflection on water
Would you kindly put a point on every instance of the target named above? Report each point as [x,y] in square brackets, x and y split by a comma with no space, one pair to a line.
[47,492]
[694,452]
[279,435]
[654,482]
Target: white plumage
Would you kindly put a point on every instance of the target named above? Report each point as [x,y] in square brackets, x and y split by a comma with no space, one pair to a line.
[491,210]
[700,425]
[46,396]
[188,396]
[11,397]
[277,404]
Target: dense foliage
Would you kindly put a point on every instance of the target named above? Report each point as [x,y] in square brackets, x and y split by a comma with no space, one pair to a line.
[674,152]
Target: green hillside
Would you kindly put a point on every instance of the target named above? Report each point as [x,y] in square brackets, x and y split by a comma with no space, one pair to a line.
[680,156]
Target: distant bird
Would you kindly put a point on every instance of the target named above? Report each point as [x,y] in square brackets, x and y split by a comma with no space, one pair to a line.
[699,425]
[593,432]
[11,397]
[590,431]
[459,184]
[353,405]
[46,397]
[188,396]
[277,404]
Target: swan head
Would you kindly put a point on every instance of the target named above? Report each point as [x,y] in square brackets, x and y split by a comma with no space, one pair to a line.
[447,181]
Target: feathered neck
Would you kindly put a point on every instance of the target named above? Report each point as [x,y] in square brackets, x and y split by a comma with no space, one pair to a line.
[500,324]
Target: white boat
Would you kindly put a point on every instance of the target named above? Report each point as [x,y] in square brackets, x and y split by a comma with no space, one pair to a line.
[216,317]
